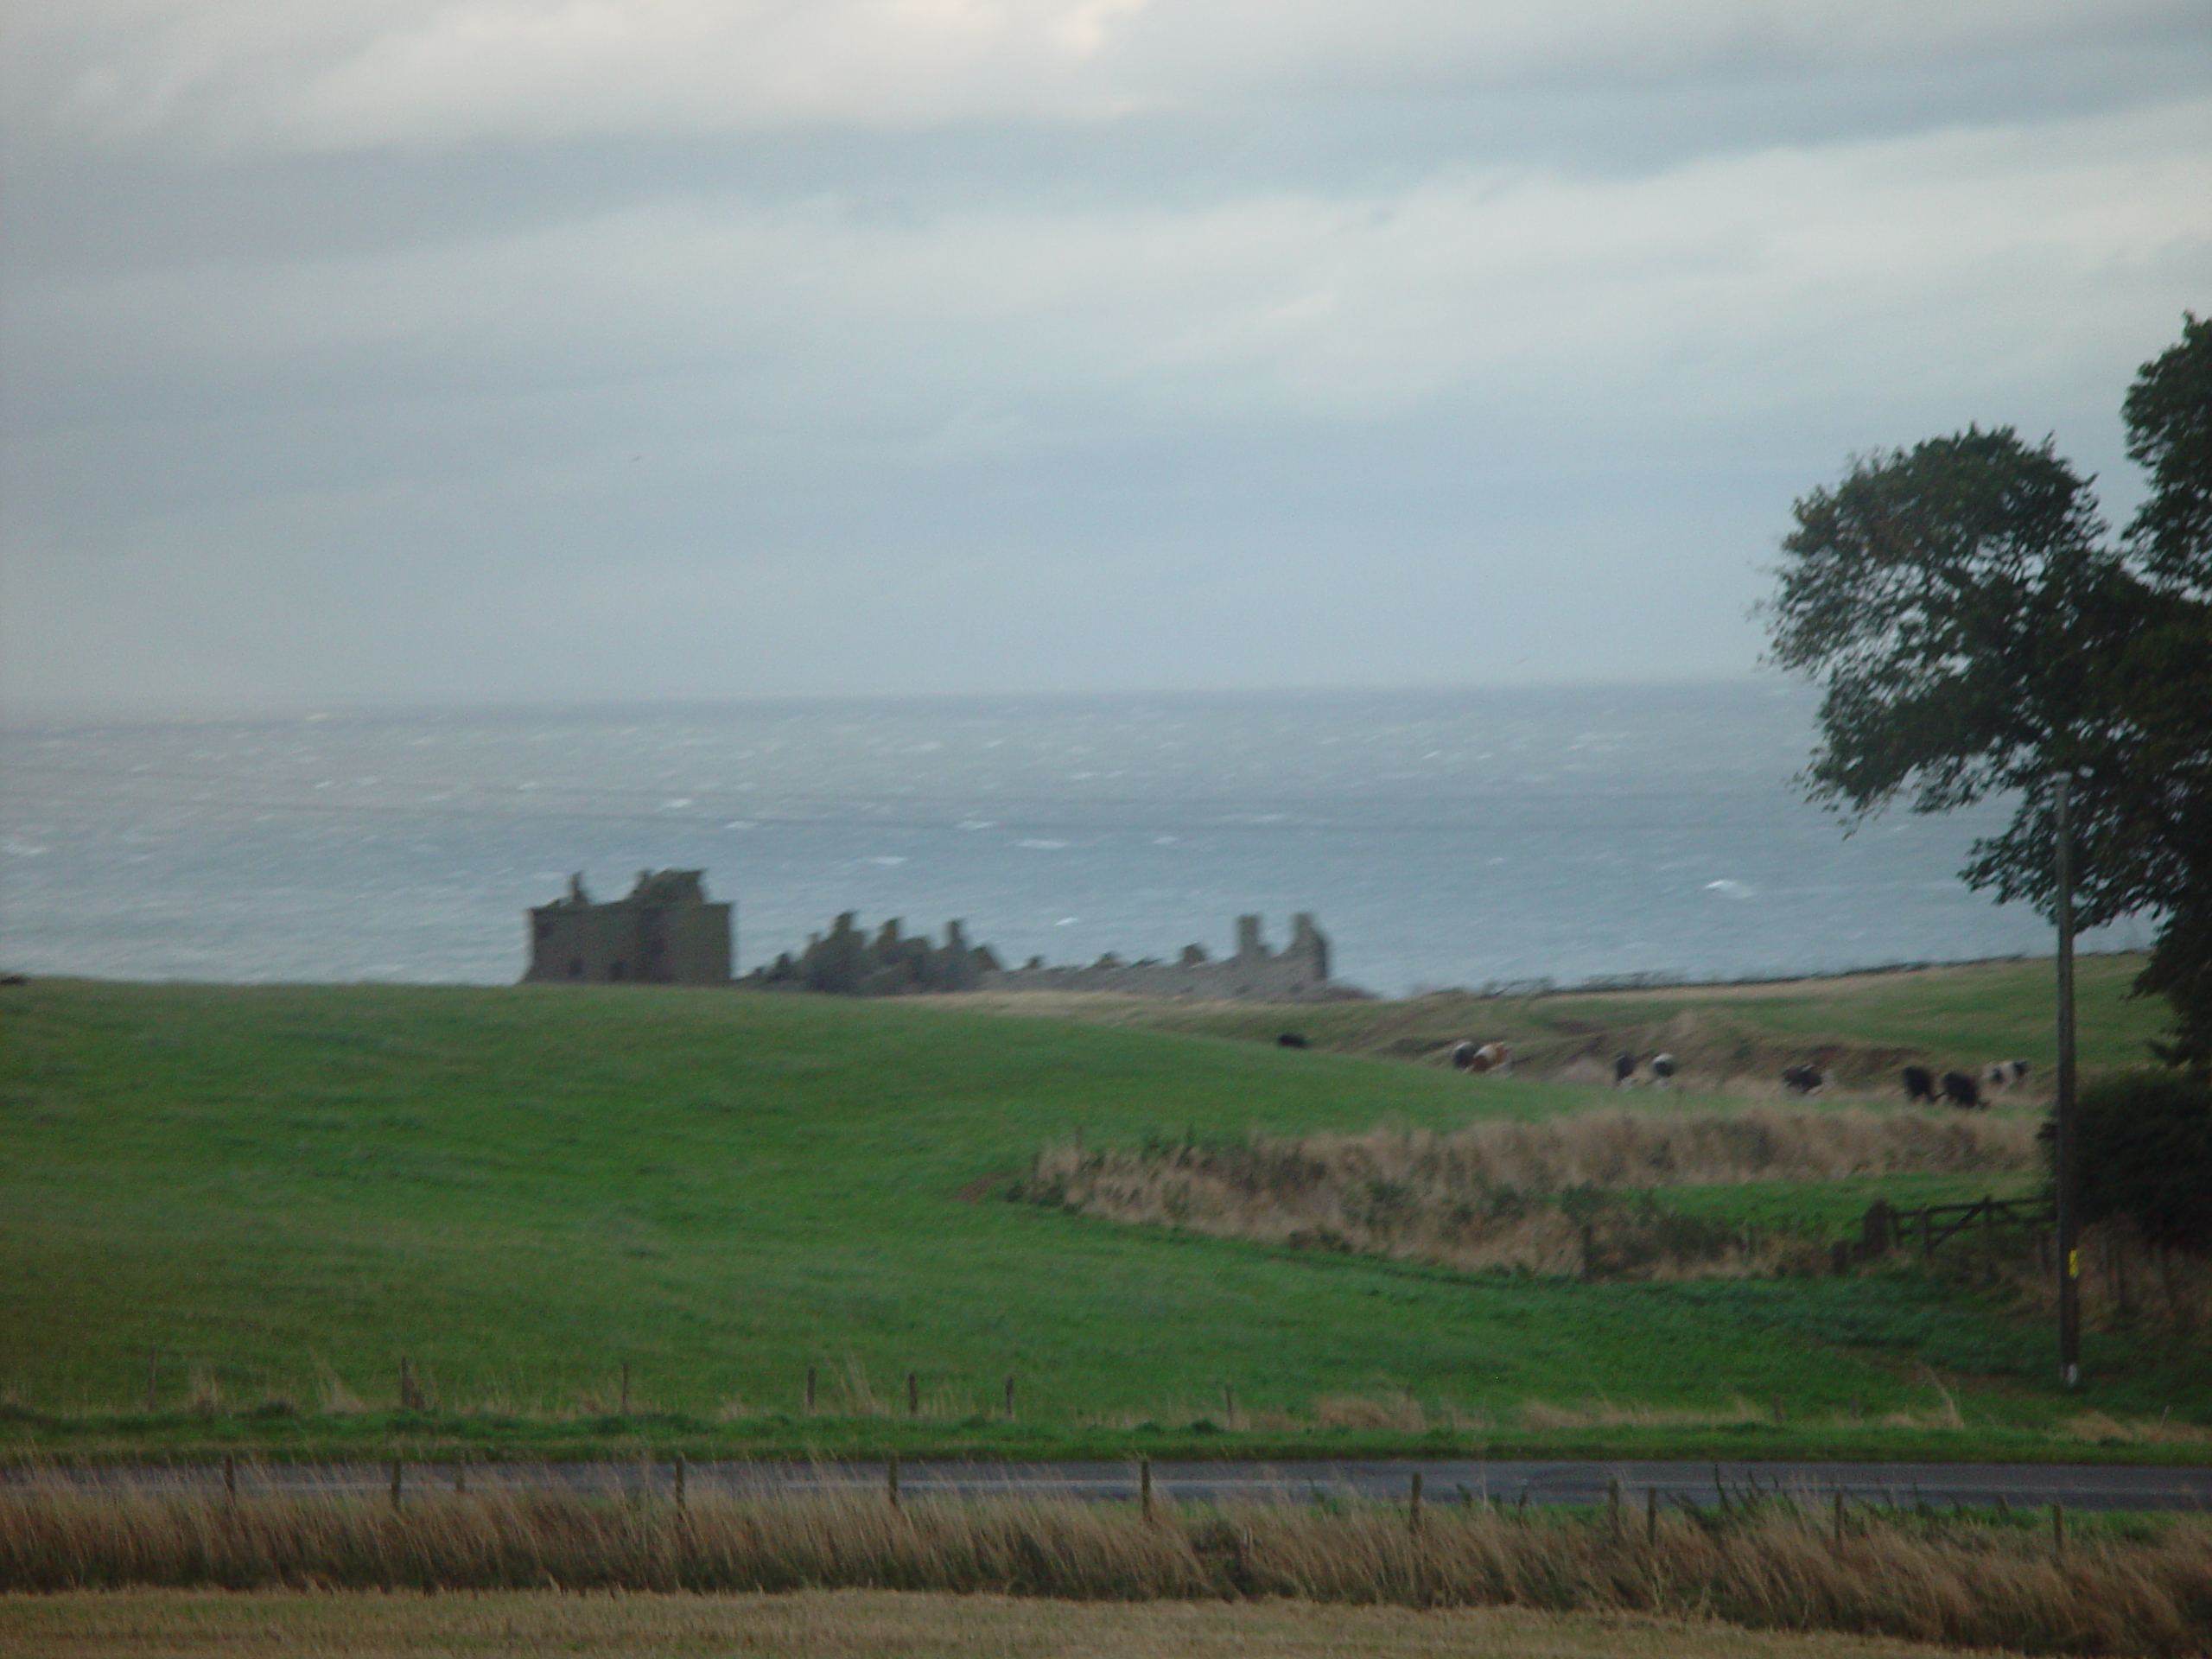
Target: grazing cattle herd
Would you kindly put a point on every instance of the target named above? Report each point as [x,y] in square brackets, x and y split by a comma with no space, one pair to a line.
[1966,1090]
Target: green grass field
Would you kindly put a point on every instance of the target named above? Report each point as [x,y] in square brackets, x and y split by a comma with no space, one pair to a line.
[278,1192]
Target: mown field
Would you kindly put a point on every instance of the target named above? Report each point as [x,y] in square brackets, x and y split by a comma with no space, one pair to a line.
[276,1194]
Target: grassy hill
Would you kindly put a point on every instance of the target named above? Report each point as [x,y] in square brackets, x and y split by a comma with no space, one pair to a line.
[1862,1027]
[279,1193]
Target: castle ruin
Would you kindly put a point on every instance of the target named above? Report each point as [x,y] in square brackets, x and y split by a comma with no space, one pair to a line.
[666,931]
[1298,973]
[847,961]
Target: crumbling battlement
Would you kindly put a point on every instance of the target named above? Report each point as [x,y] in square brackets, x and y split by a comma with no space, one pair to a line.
[850,961]
[846,961]
[1299,973]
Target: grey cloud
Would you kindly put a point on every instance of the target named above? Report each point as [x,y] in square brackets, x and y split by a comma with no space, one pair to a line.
[1264,375]
[257,73]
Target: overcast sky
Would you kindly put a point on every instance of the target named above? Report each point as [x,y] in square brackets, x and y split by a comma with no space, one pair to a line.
[522,350]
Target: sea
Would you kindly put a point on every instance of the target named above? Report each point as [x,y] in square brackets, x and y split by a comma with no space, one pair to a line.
[1442,838]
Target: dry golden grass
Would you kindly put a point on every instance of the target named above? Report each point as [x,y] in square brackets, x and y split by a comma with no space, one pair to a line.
[850,1624]
[2125,1283]
[1541,1195]
[1765,1566]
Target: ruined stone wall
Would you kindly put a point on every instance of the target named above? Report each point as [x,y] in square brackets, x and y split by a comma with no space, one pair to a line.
[848,961]
[1298,973]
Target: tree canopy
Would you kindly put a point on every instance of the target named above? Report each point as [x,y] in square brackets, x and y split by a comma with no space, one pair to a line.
[1978,631]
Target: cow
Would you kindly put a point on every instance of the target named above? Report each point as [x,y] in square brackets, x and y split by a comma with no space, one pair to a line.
[1804,1079]
[1663,1071]
[1492,1057]
[1462,1056]
[2003,1074]
[1291,1040]
[1919,1085]
[1959,1089]
[1624,1069]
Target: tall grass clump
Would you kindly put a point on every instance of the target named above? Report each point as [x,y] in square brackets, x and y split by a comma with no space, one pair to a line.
[1549,1196]
[2127,1282]
[2145,1590]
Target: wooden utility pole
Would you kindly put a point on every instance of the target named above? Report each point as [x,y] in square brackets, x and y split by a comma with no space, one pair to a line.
[2069,1229]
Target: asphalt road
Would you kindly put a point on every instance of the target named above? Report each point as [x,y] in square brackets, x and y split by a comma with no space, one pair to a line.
[2081,1486]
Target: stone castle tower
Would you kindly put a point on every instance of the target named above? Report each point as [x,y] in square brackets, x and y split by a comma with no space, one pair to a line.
[665,933]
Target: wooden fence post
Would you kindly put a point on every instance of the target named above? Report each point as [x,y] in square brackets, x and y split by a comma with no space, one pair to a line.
[891,1480]
[1009,1394]
[1229,1405]
[914,1394]
[1650,1514]
[1144,1486]
[679,1480]
[1613,1505]
[1839,1517]
[1413,1507]
[625,1389]
[397,1478]
[810,1390]
[231,1475]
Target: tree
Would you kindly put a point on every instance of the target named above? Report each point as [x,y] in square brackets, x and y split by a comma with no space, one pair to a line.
[2169,414]
[1978,633]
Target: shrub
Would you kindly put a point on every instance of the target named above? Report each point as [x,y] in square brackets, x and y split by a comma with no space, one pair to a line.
[2142,1144]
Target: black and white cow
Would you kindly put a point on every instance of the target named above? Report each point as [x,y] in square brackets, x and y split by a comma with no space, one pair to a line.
[1959,1089]
[2004,1074]
[1804,1079]
[1920,1085]
[1663,1071]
